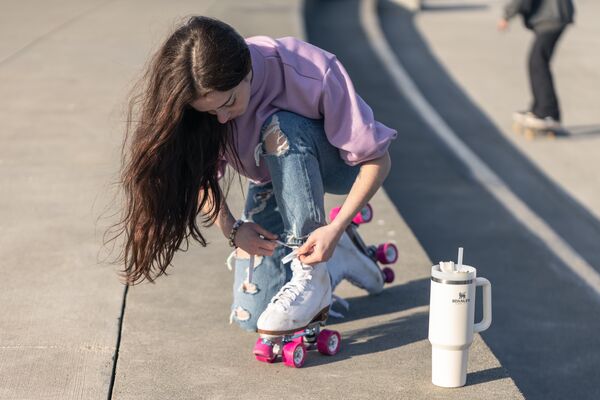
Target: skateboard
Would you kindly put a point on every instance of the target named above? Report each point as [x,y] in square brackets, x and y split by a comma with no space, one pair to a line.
[386,253]
[533,133]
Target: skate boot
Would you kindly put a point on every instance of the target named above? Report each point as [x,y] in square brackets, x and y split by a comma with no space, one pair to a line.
[348,262]
[291,324]
[305,299]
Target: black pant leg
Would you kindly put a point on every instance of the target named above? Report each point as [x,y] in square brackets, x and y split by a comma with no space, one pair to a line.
[545,101]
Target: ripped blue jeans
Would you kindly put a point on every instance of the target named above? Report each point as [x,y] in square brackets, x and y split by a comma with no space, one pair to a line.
[303,167]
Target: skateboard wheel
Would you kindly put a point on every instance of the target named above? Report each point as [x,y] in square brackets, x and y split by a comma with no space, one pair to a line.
[529,134]
[388,275]
[365,215]
[387,253]
[263,352]
[517,128]
[329,342]
[294,354]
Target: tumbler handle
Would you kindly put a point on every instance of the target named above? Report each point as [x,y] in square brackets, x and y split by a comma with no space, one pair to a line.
[487,305]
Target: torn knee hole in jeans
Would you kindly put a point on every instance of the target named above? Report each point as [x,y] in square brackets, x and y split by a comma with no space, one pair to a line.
[275,142]
[248,287]
[239,314]
[240,254]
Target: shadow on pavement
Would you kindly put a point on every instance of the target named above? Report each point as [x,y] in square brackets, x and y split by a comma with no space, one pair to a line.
[488,375]
[374,339]
[391,300]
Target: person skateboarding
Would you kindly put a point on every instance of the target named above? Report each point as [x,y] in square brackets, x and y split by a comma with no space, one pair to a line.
[548,20]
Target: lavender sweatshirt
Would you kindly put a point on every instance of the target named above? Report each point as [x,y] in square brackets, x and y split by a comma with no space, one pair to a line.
[291,75]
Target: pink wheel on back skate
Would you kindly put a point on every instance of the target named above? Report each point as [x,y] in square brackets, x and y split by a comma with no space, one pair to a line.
[334,212]
[387,253]
[365,215]
[388,275]
[362,217]
[329,342]
[264,352]
[294,354]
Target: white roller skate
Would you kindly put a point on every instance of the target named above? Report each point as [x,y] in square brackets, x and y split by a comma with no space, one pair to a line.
[356,261]
[293,318]
[348,262]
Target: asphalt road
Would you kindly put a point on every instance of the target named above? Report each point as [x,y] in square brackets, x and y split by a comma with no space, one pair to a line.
[545,318]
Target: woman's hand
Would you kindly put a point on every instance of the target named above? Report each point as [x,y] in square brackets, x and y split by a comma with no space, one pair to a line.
[248,239]
[502,24]
[320,245]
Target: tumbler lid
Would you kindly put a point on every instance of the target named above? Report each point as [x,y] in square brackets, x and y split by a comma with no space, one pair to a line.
[464,276]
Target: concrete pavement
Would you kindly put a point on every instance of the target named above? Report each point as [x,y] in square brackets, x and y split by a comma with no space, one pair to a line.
[64,76]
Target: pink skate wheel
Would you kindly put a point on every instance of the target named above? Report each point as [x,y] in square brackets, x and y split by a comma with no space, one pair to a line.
[387,253]
[334,212]
[362,217]
[263,352]
[294,354]
[365,215]
[329,342]
[298,339]
[388,275]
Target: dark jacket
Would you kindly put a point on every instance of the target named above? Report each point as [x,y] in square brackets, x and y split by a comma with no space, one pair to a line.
[542,15]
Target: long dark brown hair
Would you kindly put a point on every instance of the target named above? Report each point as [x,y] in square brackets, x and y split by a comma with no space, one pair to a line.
[171,152]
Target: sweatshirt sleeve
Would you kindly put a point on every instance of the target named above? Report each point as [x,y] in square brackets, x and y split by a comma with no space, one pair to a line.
[349,122]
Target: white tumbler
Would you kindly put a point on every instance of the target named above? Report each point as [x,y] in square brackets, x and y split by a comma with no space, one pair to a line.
[451,322]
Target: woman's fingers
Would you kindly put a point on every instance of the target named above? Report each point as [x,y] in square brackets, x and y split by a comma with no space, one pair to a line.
[265,251]
[309,252]
[268,244]
[310,259]
[306,248]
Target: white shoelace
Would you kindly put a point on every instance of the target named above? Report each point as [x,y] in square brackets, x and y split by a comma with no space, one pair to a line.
[291,290]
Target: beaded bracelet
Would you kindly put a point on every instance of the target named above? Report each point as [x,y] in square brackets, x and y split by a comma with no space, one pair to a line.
[233,232]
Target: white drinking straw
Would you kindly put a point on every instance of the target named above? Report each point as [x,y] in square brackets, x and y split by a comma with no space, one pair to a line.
[460,257]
